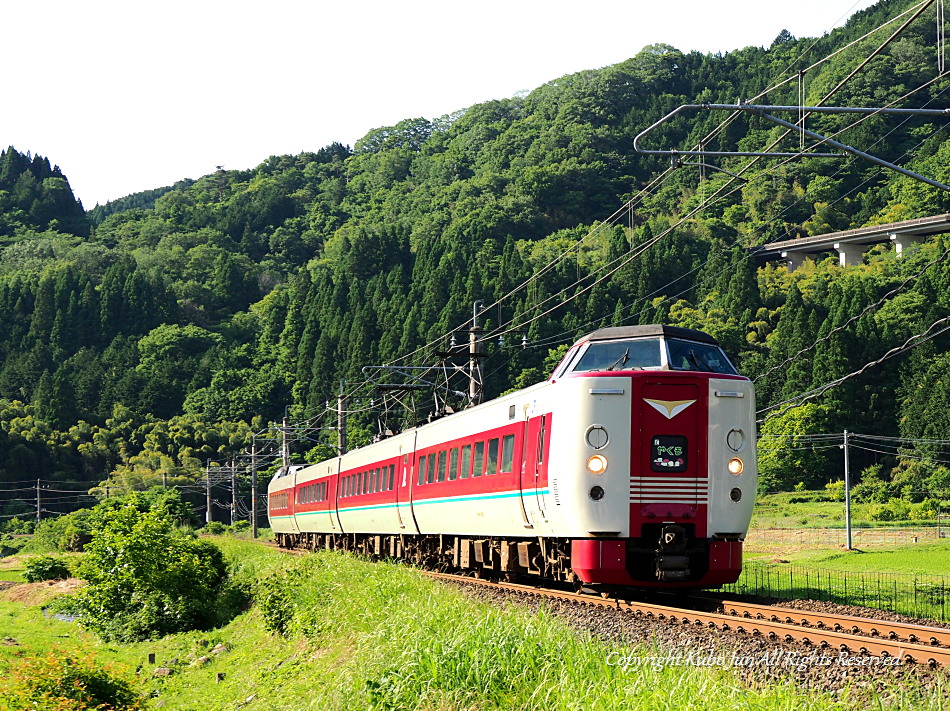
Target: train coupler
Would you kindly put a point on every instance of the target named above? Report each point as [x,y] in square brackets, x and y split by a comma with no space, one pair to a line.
[672,562]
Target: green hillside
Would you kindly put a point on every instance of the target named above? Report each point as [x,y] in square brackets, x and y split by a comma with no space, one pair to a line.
[157,331]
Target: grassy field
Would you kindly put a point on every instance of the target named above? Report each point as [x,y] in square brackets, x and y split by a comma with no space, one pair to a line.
[380,636]
[923,558]
[810,509]
[796,548]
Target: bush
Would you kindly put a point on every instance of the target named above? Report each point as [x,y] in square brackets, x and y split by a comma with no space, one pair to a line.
[240,526]
[926,509]
[214,528]
[45,567]
[65,682]
[146,578]
[19,526]
[893,510]
[835,490]
[63,533]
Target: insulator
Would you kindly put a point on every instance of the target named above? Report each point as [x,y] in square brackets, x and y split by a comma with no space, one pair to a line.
[524,341]
[452,341]
[501,341]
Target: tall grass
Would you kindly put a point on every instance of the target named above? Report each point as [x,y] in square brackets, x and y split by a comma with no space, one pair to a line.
[365,635]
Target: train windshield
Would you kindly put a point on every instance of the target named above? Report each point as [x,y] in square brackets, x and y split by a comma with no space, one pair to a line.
[620,355]
[704,357]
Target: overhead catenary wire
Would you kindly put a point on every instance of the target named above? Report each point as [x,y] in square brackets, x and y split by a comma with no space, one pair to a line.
[910,343]
[660,289]
[919,9]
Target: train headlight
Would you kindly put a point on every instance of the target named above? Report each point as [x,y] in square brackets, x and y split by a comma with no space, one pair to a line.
[736,494]
[735,466]
[596,493]
[597,464]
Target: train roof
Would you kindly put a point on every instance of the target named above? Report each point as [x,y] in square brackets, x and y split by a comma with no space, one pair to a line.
[654,330]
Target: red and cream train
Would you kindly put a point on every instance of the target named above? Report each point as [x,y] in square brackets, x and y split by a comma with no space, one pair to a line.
[633,465]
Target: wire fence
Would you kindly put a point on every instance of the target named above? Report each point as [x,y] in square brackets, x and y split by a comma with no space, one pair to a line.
[860,537]
[902,593]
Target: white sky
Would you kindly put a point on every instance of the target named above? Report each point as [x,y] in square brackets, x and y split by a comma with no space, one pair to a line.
[127,95]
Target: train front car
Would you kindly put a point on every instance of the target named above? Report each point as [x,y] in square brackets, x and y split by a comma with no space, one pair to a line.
[656,442]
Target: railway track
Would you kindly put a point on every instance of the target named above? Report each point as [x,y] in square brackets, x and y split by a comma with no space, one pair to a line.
[818,631]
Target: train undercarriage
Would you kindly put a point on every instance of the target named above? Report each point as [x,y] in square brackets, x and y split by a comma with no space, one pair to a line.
[548,558]
[671,559]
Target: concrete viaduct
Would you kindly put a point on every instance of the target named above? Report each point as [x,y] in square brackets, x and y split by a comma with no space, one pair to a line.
[852,244]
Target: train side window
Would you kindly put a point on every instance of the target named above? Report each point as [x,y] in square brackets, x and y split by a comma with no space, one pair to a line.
[466,460]
[376,480]
[380,473]
[392,477]
[442,465]
[491,463]
[454,464]
[507,453]
[430,473]
[479,456]
[422,470]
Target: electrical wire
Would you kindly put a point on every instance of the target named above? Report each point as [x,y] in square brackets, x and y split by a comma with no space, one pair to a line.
[815,392]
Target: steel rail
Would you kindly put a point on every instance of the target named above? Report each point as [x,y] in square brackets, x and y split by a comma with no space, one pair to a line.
[770,629]
[936,636]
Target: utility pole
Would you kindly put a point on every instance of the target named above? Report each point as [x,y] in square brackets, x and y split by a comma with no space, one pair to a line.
[208,492]
[341,421]
[847,490]
[38,509]
[254,486]
[285,442]
[233,492]
[474,357]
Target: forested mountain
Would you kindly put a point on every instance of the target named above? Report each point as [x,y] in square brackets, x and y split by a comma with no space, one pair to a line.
[125,334]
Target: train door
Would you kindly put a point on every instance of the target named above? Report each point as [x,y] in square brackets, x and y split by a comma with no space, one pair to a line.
[334,509]
[403,469]
[533,468]
[292,499]
[404,487]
